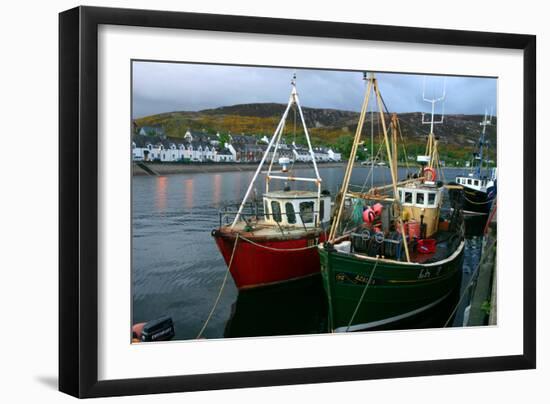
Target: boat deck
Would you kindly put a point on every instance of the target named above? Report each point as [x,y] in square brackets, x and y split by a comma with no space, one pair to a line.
[446,243]
[262,229]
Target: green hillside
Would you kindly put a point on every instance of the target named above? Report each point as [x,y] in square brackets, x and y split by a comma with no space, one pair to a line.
[328,127]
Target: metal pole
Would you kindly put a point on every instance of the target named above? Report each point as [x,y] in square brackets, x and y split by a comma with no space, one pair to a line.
[261,163]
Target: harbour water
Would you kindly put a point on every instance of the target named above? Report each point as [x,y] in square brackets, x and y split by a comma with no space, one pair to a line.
[177,269]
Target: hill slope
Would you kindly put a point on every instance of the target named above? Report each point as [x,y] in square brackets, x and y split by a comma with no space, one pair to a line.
[458,134]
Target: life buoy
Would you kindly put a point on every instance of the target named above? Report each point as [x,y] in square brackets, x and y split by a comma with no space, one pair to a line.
[429,174]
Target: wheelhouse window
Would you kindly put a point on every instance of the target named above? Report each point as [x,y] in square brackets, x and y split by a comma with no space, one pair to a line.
[431,199]
[476,183]
[290,214]
[420,198]
[469,182]
[408,197]
[322,211]
[276,211]
[306,212]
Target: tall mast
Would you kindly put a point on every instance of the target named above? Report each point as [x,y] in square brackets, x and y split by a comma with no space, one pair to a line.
[484,123]
[372,85]
[430,147]
[351,161]
[274,143]
[393,168]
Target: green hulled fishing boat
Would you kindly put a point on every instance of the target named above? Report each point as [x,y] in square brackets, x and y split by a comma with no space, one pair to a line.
[390,256]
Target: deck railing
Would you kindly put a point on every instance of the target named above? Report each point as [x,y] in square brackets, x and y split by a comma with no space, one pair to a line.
[254,211]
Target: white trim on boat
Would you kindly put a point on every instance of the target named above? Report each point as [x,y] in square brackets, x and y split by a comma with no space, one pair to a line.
[372,324]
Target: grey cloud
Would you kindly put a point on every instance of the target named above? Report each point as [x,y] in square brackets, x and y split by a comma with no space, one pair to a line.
[163,87]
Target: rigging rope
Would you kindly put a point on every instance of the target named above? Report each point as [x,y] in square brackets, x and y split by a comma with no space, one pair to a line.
[221,288]
[477,203]
[278,249]
[362,296]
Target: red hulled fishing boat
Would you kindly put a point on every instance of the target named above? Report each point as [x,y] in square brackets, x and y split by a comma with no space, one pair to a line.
[275,241]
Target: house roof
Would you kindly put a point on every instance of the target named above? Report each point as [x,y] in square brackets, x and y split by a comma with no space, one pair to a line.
[152,130]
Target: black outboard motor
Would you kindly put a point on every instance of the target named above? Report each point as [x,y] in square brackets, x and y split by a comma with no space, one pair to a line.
[161,329]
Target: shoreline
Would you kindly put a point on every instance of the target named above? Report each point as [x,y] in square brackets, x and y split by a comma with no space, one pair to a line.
[203,168]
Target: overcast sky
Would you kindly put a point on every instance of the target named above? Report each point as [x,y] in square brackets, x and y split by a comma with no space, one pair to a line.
[165,87]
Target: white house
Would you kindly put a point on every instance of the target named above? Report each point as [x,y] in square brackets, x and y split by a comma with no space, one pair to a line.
[223,156]
[152,131]
[334,156]
[301,155]
[137,152]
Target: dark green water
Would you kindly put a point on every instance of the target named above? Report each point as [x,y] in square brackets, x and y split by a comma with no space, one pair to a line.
[177,269]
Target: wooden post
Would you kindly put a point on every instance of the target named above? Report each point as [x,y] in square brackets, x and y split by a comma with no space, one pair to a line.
[392,170]
[394,143]
[349,168]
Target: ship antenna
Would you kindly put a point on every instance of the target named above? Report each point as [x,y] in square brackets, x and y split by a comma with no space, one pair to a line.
[486,122]
[434,101]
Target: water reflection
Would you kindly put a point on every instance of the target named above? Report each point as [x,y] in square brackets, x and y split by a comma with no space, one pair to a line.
[188,193]
[160,195]
[216,194]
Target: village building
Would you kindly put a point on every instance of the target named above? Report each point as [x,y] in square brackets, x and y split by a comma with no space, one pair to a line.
[152,144]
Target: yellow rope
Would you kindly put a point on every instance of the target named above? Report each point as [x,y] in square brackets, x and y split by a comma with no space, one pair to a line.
[477,203]
[221,289]
[362,296]
[278,249]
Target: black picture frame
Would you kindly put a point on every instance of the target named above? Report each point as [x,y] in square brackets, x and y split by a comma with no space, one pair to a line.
[78,201]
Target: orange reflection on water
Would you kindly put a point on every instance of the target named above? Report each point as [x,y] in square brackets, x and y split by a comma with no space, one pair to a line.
[160,196]
[188,188]
[216,194]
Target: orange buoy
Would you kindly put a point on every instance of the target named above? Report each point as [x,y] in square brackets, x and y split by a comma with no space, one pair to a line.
[378,207]
[429,173]
[369,215]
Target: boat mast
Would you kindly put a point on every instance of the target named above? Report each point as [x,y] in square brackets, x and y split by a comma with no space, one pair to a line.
[431,147]
[351,161]
[484,123]
[372,85]
[274,142]
[393,168]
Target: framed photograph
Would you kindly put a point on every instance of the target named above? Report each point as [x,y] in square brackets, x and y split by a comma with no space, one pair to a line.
[251,201]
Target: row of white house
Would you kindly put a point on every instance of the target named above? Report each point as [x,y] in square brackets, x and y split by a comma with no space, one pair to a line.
[321,155]
[151,144]
[174,152]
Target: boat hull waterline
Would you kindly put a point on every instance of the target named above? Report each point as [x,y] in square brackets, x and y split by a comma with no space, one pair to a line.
[396,291]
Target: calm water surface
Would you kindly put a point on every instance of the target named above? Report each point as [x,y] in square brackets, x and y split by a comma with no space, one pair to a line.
[178,270]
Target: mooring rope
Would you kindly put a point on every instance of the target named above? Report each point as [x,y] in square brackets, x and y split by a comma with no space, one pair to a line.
[362,296]
[470,283]
[278,249]
[221,288]
[477,203]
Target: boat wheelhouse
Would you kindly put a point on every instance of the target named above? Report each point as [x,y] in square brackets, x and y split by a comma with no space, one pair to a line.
[421,202]
[389,255]
[296,209]
[276,240]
